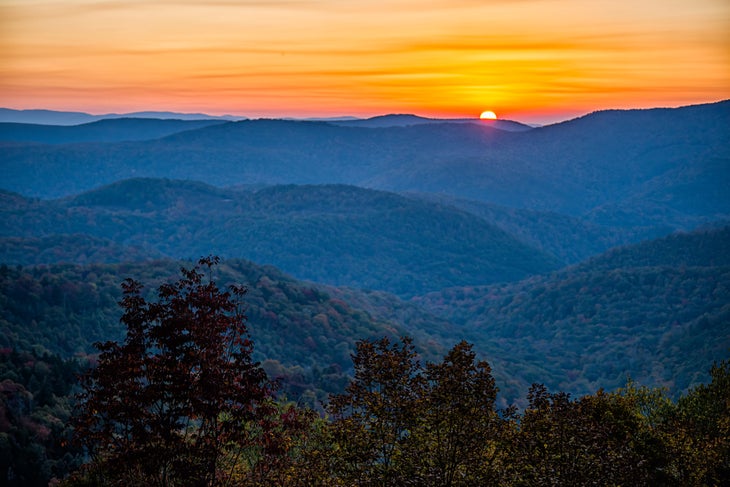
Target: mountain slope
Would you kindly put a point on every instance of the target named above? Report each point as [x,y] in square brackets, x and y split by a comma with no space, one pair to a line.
[661,167]
[301,332]
[250,152]
[340,235]
[653,311]
[54,117]
[571,239]
[76,248]
[405,120]
[112,130]
[700,248]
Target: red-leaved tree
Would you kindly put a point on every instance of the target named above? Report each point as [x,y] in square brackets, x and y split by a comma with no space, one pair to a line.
[179,402]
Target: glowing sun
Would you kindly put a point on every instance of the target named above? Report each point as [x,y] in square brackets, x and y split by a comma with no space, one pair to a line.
[488,115]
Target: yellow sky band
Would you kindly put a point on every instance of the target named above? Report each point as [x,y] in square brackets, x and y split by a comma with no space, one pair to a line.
[532,60]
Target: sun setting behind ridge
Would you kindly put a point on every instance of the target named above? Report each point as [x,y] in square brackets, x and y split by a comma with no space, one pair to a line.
[187,56]
[488,115]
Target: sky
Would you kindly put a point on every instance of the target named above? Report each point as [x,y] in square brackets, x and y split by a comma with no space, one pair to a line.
[535,61]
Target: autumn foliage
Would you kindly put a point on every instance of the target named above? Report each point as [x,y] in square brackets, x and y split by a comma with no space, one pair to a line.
[182,403]
[180,400]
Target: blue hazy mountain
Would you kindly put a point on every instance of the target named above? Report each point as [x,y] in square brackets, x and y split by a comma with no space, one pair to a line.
[108,130]
[339,235]
[53,117]
[639,168]
[45,117]
[406,120]
[569,238]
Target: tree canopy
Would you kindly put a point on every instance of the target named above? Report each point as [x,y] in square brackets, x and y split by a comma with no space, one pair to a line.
[181,402]
[173,404]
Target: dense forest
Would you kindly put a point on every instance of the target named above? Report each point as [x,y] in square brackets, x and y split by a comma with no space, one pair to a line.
[659,309]
[626,313]
[197,410]
[398,301]
[339,235]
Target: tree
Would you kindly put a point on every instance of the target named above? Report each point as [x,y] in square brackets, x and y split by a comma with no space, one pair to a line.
[180,400]
[401,424]
[457,439]
[541,456]
[599,439]
[698,433]
[373,420]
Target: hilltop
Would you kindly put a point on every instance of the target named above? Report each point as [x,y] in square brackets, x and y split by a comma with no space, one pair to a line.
[639,168]
[651,311]
[334,234]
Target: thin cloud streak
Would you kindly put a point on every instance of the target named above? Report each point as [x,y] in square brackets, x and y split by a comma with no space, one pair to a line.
[451,57]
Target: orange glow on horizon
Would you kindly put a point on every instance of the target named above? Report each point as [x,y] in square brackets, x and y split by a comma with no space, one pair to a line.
[329,58]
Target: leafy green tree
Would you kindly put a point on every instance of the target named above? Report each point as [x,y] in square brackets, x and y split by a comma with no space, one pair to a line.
[457,441]
[686,443]
[619,448]
[401,424]
[373,420]
[652,408]
[698,433]
[596,440]
[545,430]
[181,398]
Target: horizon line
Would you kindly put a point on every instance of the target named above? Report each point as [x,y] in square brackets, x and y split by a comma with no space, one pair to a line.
[325,118]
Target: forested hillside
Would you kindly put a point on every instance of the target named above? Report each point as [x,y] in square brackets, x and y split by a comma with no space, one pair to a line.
[113,130]
[570,238]
[625,314]
[651,311]
[304,333]
[339,235]
[661,167]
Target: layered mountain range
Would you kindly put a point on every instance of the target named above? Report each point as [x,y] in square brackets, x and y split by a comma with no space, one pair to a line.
[575,254]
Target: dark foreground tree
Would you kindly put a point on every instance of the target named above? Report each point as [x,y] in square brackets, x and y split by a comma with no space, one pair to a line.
[600,439]
[401,424]
[698,432]
[374,419]
[458,439]
[180,402]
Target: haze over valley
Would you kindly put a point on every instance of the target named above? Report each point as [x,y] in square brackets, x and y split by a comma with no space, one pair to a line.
[377,243]
[443,230]
[588,255]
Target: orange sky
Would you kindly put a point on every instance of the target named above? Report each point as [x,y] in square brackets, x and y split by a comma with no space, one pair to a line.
[530,60]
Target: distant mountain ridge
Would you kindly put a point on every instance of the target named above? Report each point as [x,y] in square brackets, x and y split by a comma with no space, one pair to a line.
[106,130]
[53,117]
[406,120]
[646,168]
